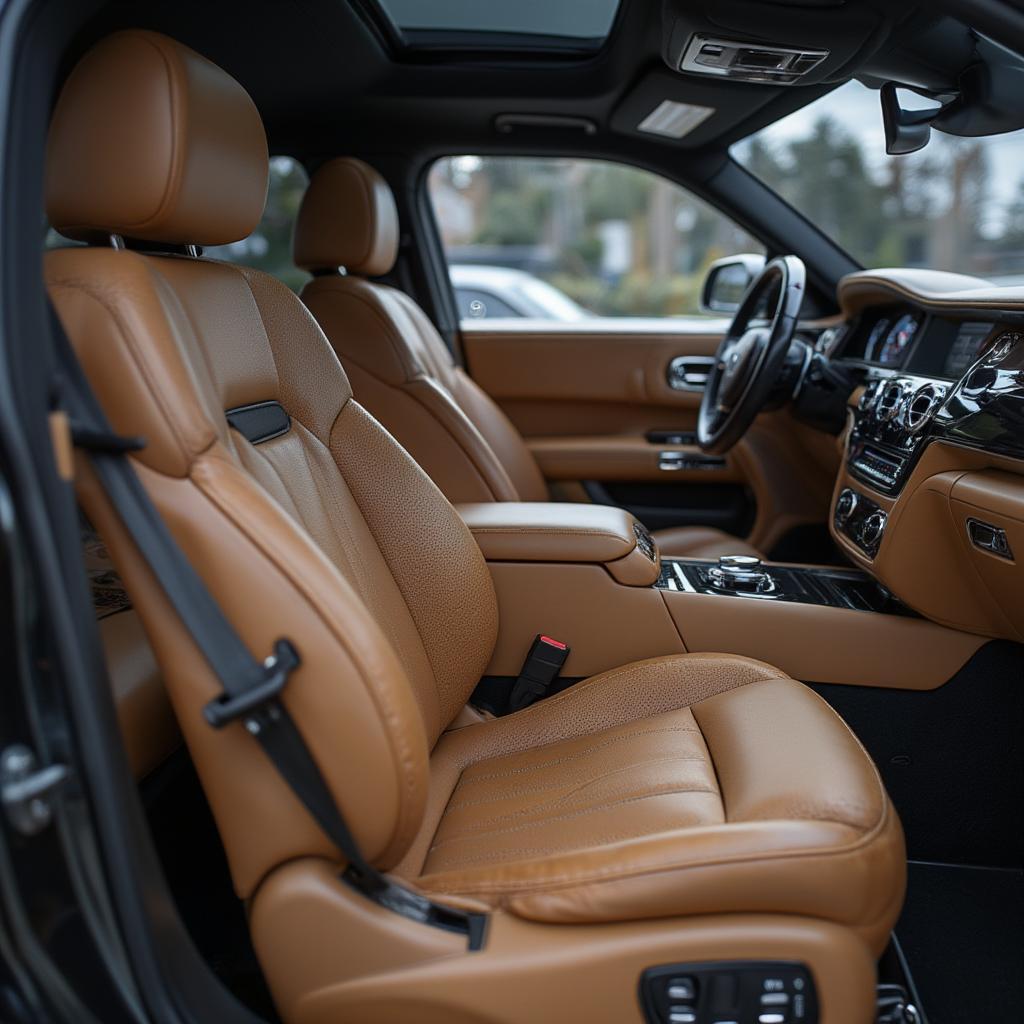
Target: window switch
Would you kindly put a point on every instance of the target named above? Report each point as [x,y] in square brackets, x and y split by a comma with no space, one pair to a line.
[682,990]
[682,1015]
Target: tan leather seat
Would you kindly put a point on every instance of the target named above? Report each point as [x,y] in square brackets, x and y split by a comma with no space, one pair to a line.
[402,371]
[685,808]
[148,726]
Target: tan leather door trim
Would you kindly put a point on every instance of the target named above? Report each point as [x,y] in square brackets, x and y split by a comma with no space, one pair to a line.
[585,396]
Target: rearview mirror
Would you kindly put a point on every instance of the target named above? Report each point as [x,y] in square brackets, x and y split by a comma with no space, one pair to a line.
[727,282]
[906,130]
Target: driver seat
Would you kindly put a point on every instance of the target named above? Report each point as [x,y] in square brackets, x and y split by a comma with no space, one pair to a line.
[400,368]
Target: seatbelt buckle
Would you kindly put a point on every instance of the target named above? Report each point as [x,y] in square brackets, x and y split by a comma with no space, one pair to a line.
[276,669]
[543,663]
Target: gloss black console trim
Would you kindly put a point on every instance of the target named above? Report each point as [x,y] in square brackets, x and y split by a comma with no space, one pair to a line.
[848,589]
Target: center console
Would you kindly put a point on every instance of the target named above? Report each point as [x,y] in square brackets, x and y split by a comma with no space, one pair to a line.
[889,433]
[591,577]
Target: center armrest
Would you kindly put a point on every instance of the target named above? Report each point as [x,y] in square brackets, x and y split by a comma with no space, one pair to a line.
[535,531]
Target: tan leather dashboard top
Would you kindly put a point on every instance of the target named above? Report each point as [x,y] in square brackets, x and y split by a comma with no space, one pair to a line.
[933,289]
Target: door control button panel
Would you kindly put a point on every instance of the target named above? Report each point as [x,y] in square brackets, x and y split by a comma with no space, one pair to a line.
[740,992]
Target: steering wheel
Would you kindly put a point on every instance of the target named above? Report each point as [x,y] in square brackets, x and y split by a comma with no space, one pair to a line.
[749,359]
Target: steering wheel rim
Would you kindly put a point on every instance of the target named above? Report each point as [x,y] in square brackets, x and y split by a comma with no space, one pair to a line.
[749,359]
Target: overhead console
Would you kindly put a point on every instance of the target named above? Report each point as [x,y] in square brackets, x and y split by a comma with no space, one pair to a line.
[777,43]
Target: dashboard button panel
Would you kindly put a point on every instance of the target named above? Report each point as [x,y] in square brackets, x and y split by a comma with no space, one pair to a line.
[861,520]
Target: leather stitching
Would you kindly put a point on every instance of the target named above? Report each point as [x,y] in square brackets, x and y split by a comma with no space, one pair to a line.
[570,757]
[508,794]
[482,828]
[565,881]
[575,814]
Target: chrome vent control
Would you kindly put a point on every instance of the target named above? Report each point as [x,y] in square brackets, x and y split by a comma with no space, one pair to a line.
[918,409]
[871,530]
[1002,347]
[846,505]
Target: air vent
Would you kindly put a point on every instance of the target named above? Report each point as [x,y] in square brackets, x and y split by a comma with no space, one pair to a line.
[889,399]
[920,407]
[781,65]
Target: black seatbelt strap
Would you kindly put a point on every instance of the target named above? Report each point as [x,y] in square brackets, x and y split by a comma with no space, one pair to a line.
[251,690]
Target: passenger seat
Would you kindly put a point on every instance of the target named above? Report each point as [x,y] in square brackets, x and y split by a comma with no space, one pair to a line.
[400,369]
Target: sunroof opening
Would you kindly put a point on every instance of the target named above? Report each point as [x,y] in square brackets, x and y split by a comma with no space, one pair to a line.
[575,25]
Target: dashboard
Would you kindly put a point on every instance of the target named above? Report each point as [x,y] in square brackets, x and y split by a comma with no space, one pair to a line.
[902,337]
[930,494]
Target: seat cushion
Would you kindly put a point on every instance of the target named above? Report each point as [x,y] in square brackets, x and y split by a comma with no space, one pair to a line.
[676,786]
[701,542]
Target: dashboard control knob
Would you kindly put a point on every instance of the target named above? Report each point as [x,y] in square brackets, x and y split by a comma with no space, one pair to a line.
[846,505]
[742,574]
[872,528]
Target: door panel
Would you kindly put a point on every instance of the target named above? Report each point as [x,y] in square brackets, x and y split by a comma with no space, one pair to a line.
[593,401]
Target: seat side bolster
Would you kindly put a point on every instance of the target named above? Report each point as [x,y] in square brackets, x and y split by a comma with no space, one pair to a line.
[761,742]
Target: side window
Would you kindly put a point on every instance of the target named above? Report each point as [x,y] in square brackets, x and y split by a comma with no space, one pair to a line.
[269,247]
[567,239]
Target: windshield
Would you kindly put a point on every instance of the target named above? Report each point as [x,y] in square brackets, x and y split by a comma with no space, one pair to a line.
[956,205]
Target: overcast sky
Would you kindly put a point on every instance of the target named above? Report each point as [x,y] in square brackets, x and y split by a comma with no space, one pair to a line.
[857,108]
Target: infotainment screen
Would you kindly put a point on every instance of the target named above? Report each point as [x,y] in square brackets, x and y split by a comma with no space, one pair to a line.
[948,348]
[968,345]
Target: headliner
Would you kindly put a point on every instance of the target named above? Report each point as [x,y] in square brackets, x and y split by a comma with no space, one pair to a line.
[328,79]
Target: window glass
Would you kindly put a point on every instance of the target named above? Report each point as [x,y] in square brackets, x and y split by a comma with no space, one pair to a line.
[564,239]
[580,20]
[269,247]
[957,205]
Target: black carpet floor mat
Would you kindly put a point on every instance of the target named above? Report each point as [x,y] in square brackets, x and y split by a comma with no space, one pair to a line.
[962,932]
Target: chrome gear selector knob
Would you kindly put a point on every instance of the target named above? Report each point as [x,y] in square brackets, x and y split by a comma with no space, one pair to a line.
[742,574]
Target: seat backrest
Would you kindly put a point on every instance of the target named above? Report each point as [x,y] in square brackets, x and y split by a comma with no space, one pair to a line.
[303,516]
[400,368]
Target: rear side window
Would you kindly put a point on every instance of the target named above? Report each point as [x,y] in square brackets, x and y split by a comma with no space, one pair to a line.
[269,247]
[568,239]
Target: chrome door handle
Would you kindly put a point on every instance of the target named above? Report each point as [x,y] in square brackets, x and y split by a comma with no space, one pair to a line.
[689,373]
[672,461]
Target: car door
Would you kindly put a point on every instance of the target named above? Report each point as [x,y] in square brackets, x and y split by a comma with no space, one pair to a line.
[607,399]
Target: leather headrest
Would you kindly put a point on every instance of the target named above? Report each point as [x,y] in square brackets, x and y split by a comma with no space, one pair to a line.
[151,141]
[347,219]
